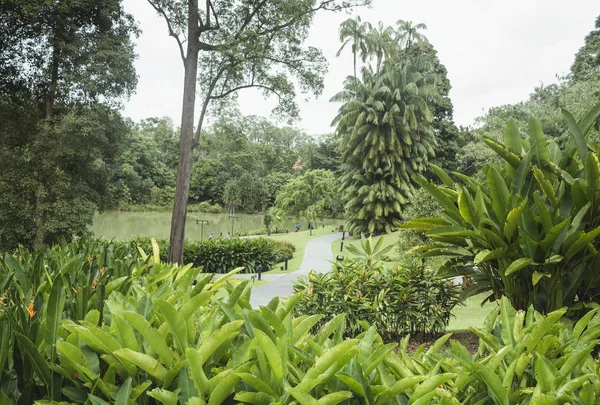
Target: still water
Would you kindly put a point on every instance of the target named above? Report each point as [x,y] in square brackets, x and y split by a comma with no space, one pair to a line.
[124,225]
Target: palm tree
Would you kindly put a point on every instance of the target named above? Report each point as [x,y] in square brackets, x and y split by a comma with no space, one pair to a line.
[407,33]
[385,123]
[380,44]
[354,31]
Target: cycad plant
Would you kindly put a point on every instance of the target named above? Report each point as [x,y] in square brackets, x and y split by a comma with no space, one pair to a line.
[529,230]
[387,137]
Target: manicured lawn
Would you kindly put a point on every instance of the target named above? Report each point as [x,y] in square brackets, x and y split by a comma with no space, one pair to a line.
[473,314]
[300,239]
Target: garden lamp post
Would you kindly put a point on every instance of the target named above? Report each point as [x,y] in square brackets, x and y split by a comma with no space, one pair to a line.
[202,222]
[232,218]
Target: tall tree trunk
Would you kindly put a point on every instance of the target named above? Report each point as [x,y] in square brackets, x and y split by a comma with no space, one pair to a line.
[40,212]
[182,190]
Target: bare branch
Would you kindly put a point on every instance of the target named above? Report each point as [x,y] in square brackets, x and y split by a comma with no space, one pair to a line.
[245,86]
[171,32]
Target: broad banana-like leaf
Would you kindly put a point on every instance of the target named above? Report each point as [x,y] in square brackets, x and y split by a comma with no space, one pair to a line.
[511,158]
[176,323]
[54,313]
[576,134]
[539,142]
[443,176]
[545,185]
[155,340]
[518,265]
[223,389]
[512,220]
[499,193]
[512,140]
[271,352]
[582,241]
[143,361]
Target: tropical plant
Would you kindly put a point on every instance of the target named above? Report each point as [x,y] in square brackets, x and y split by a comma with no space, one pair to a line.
[387,138]
[529,230]
[356,32]
[369,253]
[407,299]
[408,33]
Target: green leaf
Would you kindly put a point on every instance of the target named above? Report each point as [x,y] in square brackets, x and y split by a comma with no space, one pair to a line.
[54,313]
[164,396]
[539,143]
[223,389]
[512,220]
[143,361]
[176,323]
[443,176]
[398,388]
[122,397]
[39,364]
[271,353]
[155,340]
[576,134]
[512,140]
[518,265]
[499,193]
[582,242]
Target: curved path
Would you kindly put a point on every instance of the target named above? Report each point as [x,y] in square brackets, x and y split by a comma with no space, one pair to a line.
[317,256]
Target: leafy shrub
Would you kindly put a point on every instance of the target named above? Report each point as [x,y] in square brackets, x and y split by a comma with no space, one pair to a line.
[284,249]
[404,300]
[529,230]
[223,255]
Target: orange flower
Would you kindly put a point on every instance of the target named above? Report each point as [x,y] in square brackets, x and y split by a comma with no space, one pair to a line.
[30,310]
[74,290]
[102,270]
[95,283]
[404,296]
[90,258]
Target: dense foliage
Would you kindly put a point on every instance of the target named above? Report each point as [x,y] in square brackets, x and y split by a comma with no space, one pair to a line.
[88,329]
[407,299]
[529,229]
[65,66]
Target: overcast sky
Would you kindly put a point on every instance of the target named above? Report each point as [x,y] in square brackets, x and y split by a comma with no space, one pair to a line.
[496,52]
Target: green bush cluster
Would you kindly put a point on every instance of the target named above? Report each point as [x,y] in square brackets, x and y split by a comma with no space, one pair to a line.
[144,333]
[223,255]
[404,300]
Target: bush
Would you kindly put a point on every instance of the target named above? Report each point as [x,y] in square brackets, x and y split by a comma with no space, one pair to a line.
[408,299]
[421,206]
[223,255]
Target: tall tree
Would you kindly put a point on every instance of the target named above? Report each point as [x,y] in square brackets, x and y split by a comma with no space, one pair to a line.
[408,33]
[385,123]
[587,59]
[238,45]
[380,44]
[356,32]
[64,66]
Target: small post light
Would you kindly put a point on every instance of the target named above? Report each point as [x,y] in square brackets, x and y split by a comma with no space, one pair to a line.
[339,258]
[259,269]
[286,262]
[341,246]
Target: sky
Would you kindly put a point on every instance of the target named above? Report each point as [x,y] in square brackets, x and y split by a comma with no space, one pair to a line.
[495,52]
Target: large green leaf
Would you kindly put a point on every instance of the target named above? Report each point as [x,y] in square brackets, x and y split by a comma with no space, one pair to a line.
[54,313]
[539,143]
[145,362]
[155,340]
[518,265]
[576,134]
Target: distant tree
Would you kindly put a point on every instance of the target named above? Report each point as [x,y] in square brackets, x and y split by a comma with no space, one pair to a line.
[354,31]
[587,59]
[408,33]
[247,193]
[310,196]
[234,45]
[64,65]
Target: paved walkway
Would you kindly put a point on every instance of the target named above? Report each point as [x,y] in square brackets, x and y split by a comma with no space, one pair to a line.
[317,256]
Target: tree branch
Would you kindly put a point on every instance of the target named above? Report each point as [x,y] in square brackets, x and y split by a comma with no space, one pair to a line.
[245,86]
[171,32]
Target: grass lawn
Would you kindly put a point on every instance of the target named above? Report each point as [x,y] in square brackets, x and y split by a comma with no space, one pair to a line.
[473,314]
[299,239]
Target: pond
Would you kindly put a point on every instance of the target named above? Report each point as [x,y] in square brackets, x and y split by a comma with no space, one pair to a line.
[124,225]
